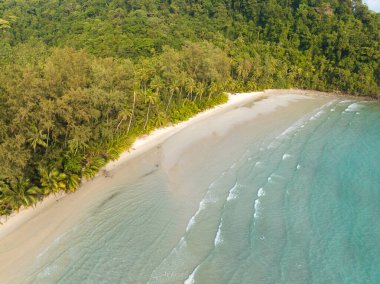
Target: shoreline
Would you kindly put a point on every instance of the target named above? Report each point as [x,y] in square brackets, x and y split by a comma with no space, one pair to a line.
[168,154]
[146,142]
[141,144]
[336,94]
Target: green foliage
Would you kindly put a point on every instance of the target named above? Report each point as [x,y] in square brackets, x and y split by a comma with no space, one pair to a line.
[92,167]
[72,182]
[22,193]
[80,81]
[52,180]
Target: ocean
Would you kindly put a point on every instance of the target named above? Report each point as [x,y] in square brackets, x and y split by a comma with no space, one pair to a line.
[297,202]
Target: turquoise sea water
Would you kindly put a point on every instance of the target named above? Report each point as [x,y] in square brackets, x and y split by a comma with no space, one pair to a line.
[300,207]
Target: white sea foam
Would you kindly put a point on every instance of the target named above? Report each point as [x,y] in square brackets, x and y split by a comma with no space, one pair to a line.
[257,208]
[181,244]
[202,205]
[233,166]
[293,129]
[317,115]
[233,193]
[298,166]
[257,204]
[333,109]
[353,107]
[273,176]
[345,101]
[286,156]
[261,192]
[190,223]
[218,238]
[190,279]
[288,131]
[208,198]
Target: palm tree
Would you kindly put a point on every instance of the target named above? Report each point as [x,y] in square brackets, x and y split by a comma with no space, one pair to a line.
[182,81]
[78,140]
[92,167]
[213,89]
[174,87]
[151,99]
[200,89]
[161,119]
[244,68]
[37,137]
[52,180]
[157,84]
[133,112]
[21,194]
[72,182]
[190,87]
[124,114]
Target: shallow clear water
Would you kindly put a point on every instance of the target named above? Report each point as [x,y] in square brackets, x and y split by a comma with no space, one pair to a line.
[302,207]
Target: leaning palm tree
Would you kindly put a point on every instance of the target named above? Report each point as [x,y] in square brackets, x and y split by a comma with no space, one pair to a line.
[22,193]
[151,99]
[132,112]
[124,114]
[173,88]
[52,180]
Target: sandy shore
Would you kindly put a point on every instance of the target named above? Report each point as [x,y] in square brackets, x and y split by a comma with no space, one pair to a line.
[26,235]
[140,146]
[161,134]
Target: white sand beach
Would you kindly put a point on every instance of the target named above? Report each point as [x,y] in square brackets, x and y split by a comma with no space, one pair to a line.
[140,146]
[25,236]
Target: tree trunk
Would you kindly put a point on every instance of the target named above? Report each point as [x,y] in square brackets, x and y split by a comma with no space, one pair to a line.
[170,99]
[133,112]
[147,116]
[118,125]
[209,96]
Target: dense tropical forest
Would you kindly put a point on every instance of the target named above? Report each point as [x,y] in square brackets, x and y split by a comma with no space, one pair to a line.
[81,79]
